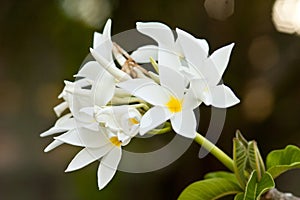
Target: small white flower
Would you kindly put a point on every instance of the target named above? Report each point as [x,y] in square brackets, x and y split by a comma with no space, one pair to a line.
[169,99]
[95,87]
[205,72]
[190,56]
[120,124]
[123,120]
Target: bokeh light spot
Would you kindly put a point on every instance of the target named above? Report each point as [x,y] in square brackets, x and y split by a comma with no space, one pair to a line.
[286,16]
[258,101]
[263,53]
[92,12]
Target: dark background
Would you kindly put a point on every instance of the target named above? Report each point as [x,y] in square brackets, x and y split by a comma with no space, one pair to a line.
[41,45]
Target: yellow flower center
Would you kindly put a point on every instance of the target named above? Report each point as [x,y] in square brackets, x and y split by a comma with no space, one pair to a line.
[133,120]
[115,141]
[174,105]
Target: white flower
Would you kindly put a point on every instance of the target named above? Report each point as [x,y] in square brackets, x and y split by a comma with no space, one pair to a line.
[120,125]
[190,56]
[124,120]
[95,87]
[169,99]
[205,72]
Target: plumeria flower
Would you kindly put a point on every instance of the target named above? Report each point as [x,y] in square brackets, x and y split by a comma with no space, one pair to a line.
[121,119]
[117,125]
[78,95]
[169,99]
[190,56]
[205,74]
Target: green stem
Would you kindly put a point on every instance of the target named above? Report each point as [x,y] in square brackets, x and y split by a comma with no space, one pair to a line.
[214,150]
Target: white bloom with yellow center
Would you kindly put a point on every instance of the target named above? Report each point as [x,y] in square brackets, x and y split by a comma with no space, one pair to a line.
[170,100]
[123,120]
[117,125]
[190,56]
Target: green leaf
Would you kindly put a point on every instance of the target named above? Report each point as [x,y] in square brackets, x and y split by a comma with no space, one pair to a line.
[255,188]
[280,161]
[255,160]
[221,174]
[240,161]
[209,189]
[239,196]
[241,138]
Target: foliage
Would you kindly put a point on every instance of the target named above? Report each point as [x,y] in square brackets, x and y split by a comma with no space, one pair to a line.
[250,179]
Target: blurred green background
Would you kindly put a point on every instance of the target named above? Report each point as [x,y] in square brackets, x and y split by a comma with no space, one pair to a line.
[44,42]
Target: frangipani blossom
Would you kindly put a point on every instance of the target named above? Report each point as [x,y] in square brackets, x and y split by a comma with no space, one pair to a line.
[124,120]
[169,100]
[205,74]
[190,56]
[109,106]
[78,95]
[105,143]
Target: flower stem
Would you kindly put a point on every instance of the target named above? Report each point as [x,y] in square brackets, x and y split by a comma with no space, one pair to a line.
[214,150]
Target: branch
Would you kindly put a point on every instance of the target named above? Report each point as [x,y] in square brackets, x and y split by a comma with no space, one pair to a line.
[274,194]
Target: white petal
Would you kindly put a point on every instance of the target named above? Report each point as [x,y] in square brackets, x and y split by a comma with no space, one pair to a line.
[190,100]
[75,88]
[164,36]
[184,123]
[223,97]
[87,156]
[84,137]
[110,66]
[221,57]
[52,131]
[103,89]
[161,33]
[88,110]
[90,70]
[53,145]
[97,40]
[104,47]
[196,57]
[203,43]
[62,124]
[144,53]
[153,118]
[60,108]
[147,90]
[188,73]
[201,90]
[172,80]
[109,116]
[77,104]
[192,49]
[108,167]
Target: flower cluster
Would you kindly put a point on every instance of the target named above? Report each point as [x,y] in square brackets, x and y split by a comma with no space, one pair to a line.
[107,106]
